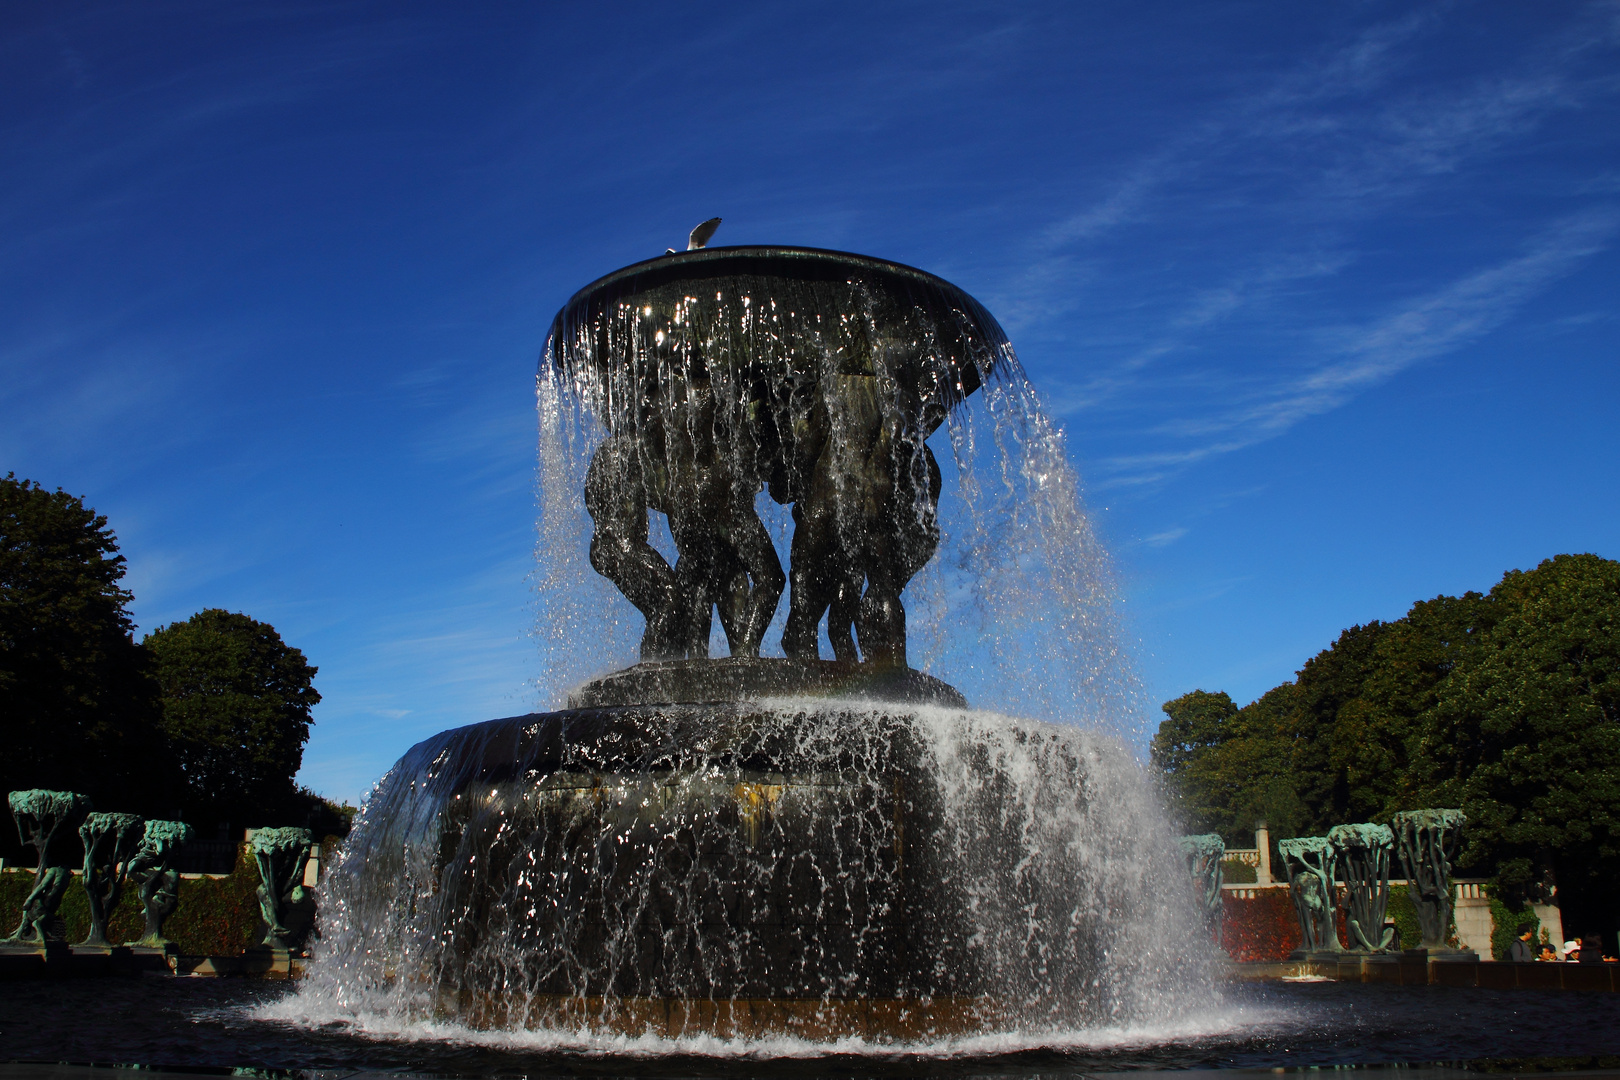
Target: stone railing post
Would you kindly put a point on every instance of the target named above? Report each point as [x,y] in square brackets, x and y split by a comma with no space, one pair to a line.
[1262,844]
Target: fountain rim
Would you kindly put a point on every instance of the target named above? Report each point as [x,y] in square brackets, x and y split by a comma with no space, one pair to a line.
[664,268]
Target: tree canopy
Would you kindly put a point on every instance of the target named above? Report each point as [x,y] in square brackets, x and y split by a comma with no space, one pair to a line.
[1525,734]
[78,705]
[205,719]
[236,710]
[1505,704]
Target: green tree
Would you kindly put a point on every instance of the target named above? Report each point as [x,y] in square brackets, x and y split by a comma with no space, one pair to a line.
[78,707]
[1525,733]
[1358,723]
[1195,724]
[1506,704]
[236,710]
[1331,770]
[1258,769]
[1227,768]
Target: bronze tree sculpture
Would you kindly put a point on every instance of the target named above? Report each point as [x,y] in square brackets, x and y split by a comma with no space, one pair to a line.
[46,821]
[1311,863]
[159,881]
[1427,839]
[110,842]
[1363,853]
[284,903]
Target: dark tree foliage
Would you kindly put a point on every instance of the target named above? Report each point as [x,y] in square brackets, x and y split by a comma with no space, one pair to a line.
[1361,706]
[236,710]
[1334,727]
[1507,705]
[78,709]
[1525,734]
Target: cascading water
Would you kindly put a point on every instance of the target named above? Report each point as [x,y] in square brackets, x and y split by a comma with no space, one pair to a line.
[688,862]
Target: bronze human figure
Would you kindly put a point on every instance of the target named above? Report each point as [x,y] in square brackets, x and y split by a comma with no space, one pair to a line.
[816,375]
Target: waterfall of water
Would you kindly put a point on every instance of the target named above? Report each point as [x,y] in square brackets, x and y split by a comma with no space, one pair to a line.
[562,869]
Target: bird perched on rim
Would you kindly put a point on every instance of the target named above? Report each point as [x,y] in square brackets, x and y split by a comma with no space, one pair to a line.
[700,236]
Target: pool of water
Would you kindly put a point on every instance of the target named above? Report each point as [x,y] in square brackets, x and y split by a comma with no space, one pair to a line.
[230,1024]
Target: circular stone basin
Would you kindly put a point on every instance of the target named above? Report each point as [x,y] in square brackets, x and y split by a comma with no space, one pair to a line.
[824,868]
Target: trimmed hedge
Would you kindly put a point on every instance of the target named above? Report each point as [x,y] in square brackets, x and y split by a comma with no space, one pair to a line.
[1238,873]
[1260,929]
[1401,911]
[1507,925]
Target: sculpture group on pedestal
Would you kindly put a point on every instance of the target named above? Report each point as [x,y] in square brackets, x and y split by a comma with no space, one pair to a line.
[110,842]
[125,847]
[1310,863]
[159,881]
[718,379]
[1363,852]
[1427,840]
[1360,856]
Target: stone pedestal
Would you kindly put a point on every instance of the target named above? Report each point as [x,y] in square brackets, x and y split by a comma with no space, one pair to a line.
[742,678]
[267,962]
[1442,956]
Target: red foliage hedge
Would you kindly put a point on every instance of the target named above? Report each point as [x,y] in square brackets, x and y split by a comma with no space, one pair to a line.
[1264,928]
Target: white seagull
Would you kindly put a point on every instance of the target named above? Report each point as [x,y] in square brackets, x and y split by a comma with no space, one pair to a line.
[700,236]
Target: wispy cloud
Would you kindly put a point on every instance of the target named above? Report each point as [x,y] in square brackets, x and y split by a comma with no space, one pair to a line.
[1165,538]
[1362,356]
[1345,141]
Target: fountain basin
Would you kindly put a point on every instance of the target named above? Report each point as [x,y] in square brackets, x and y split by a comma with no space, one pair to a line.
[825,869]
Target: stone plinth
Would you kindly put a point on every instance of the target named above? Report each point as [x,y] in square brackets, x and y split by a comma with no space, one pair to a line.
[738,678]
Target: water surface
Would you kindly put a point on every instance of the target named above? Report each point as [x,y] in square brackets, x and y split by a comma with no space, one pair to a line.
[235,1024]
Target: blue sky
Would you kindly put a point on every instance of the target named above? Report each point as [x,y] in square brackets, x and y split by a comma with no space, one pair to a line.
[1325,296]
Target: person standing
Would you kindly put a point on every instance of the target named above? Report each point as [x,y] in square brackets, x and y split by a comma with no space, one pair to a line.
[1522,951]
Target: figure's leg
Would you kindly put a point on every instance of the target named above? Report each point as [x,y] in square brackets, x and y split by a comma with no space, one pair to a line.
[758,556]
[841,616]
[617,503]
[813,553]
[881,625]
[902,534]
[694,575]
